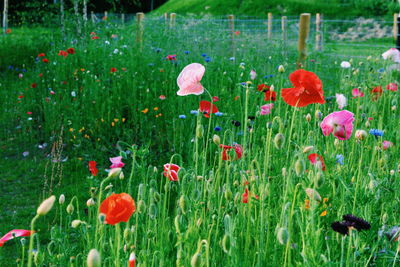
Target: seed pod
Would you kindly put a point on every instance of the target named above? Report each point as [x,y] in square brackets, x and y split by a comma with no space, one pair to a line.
[216,139]
[227,224]
[299,167]
[196,260]
[141,206]
[153,211]
[282,235]
[182,204]
[279,140]
[70,208]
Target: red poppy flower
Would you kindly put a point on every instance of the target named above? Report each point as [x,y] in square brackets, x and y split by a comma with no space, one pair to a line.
[95,37]
[118,208]
[92,168]
[45,60]
[376,92]
[245,196]
[171,171]
[207,107]
[215,98]
[317,159]
[113,69]
[263,87]
[8,31]
[307,89]
[171,57]
[71,50]
[20,96]
[238,150]
[63,53]
[33,85]
[270,95]
[237,32]
[41,55]
[14,233]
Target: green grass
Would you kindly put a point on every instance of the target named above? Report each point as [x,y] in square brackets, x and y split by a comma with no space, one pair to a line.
[95,114]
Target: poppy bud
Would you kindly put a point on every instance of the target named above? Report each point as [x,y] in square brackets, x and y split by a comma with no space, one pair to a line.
[308,149]
[102,218]
[141,206]
[279,140]
[272,88]
[361,134]
[318,114]
[336,143]
[93,258]
[155,170]
[196,260]
[114,172]
[372,185]
[284,172]
[90,202]
[367,124]
[199,131]
[226,243]
[176,223]
[182,204]
[121,175]
[61,199]
[152,210]
[392,172]
[369,57]
[216,139]
[281,69]
[313,194]
[228,194]
[75,223]
[282,235]
[46,206]
[299,167]
[70,208]
[394,108]
[319,179]
[308,117]
[132,259]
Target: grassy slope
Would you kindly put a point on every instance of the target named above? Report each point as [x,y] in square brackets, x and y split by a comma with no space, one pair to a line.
[261,7]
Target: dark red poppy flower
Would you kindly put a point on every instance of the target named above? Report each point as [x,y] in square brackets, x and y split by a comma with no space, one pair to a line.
[263,87]
[118,208]
[317,159]
[14,233]
[41,55]
[92,168]
[307,89]
[350,221]
[270,95]
[71,50]
[33,85]
[376,92]
[45,60]
[95,37]
[245,196]
[171,171]
[63,53]
[238,150]
[113,69]
[215,98]
[207,108]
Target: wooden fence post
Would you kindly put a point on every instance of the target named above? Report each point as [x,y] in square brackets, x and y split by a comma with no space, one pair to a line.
[5,16]
[284,34]
[172,20]
[398,34]
[270,25]
[395,29]
[318,32]
[139,32]
[231,22]
[77,17]
[123,18]
[304,29]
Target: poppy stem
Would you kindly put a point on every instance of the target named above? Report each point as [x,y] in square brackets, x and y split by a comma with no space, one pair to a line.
[30,252]
[118,233]
[98,209]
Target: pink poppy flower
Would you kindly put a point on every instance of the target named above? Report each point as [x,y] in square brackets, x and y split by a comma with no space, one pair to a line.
[189,80]
[317,160]
[357,93]
[341,100]
[171,171]
[253,74]
[386,144]
[392,54]
[392,87]
[266,109]
[116,162]
[340,123]
[162,97]
[14,233]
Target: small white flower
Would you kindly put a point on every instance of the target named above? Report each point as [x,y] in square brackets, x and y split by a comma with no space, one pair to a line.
[116,51]
[25,154]
[73,94]
[345,64]
[107,42]
[30,118]
[341,100]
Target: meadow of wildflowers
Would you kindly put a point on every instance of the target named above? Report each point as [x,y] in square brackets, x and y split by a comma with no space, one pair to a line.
[189,149]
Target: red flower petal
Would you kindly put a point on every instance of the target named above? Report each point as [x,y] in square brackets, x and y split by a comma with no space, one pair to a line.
[118,208]
[14,233]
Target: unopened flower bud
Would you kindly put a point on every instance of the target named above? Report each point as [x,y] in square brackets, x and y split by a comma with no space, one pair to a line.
[199,131]
[121,176]
[46,206]
[318,114]
[299,167]
[61,199]
[279,140]
[93,258]
[282,235]
[284,172]
[114,172]
[313,194]
[216,139]
[281,69]
[141,206]
[308,117]
[196,260]
[70,208]
[182,203]
[76,223]
[308,149]
[361,134]
[90,202]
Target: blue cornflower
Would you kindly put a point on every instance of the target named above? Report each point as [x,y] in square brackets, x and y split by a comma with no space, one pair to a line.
[219,114]
[339,159]
[217,128]
[16,69]
[203,55]
[10,67]
[381,70]
[207,59]
[243,83]
[194,112]
[186,52]
[376,132]
[182,117]
[23,70]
